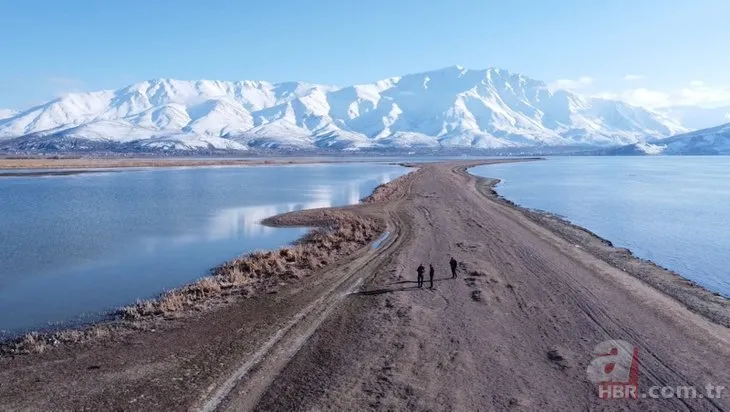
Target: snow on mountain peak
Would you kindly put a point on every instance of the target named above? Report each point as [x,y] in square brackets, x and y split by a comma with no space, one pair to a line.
[7,113]
[710,141]
[453,106]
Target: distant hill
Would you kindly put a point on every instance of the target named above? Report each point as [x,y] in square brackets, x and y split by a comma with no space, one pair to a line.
[711,141]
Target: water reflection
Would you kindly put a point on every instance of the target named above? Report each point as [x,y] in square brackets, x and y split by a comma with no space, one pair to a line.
[229,223]
[246,220]
[78,245]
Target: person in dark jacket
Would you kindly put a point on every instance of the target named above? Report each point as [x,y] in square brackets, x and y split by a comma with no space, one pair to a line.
[453,264]
[430,275]
[420,271]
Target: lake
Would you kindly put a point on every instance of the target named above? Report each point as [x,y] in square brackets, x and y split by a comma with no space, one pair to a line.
[674,211]
[75,247]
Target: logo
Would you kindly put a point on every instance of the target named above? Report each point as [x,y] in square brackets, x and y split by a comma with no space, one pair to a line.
[615,369]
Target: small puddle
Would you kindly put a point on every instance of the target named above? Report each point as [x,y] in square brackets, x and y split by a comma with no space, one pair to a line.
[380,240]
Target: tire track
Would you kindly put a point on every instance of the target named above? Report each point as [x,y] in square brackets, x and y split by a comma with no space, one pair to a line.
[243,388]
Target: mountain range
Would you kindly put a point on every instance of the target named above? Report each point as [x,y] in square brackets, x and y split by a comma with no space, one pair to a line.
[452,107]
[711,141]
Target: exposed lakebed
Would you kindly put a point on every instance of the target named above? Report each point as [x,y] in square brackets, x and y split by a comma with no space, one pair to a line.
[73,247]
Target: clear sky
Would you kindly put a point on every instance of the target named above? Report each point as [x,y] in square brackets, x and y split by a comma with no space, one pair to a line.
[652,52]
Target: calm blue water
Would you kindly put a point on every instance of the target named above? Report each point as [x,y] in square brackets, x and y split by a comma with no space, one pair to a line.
[74,246]
[672,210]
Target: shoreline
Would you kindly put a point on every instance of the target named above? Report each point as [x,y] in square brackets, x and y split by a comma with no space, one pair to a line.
[210,289]
[66,166]
[232,278]
[69,172]
[701,300]
[348,309]
[80,165]
[201,293]
[332,236]
[531,306]
[204,293]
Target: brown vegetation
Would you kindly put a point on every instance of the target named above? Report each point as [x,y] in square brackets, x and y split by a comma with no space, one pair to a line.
[264,271]
[339,234]
[392,190]
[38,342]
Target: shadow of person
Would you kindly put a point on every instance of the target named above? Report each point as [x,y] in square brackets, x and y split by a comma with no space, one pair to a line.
[382,291]
[404,282]
[401,282]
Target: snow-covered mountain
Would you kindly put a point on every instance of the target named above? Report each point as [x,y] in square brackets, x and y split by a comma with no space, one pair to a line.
[6,113]
[712,141]
[451,107]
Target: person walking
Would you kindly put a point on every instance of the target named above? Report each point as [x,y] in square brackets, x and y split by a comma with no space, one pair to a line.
[420,271]
[453,264]
[430,275]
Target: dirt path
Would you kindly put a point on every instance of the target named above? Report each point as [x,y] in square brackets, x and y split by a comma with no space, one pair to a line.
[514,331]
[516,335]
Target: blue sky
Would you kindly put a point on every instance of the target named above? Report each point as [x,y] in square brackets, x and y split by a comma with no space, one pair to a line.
[650,52]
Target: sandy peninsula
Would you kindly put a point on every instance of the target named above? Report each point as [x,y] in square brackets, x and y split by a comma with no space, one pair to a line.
[514,331]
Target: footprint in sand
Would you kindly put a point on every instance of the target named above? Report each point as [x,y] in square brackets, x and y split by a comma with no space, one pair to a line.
[471,282]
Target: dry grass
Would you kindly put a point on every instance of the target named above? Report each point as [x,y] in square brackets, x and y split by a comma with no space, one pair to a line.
[263,271]
[392,190]
[35,342]
[340,233]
